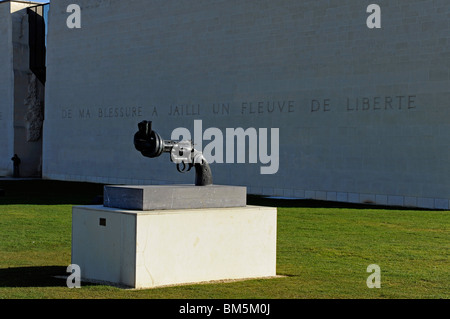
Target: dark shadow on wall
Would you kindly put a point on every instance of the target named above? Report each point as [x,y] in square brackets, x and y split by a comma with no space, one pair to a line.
[36,23]
[50,192]
[312,203]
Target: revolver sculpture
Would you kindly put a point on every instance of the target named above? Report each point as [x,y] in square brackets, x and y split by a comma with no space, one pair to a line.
[150,144]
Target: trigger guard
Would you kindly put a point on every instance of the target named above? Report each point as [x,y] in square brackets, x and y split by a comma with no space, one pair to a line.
[183,168]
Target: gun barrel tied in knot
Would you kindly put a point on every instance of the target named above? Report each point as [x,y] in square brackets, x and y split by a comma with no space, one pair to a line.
[183,153]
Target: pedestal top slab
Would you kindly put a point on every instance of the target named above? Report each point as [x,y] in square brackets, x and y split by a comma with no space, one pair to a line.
[153,197]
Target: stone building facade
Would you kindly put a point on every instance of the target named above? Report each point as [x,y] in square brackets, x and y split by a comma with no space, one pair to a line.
[22,80]
[330,109]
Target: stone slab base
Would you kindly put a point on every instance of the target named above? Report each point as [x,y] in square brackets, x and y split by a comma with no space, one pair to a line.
[149,197]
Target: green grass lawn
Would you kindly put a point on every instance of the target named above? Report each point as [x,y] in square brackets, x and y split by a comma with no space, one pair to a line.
[323,250]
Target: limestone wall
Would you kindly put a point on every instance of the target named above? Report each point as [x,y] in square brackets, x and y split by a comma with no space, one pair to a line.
[28,97]
[6,91]
[21,94]
[363,114]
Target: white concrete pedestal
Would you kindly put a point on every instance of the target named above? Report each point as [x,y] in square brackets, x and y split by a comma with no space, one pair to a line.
[145,249]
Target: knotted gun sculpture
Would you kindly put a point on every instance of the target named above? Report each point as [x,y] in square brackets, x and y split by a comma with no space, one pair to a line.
[183,153]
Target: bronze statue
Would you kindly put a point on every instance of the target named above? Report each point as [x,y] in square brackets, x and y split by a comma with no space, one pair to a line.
[16,164]
[183,153]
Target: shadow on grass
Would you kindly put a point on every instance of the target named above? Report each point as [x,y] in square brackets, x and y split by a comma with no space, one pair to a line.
[49,192]
[40,276]
[43,276]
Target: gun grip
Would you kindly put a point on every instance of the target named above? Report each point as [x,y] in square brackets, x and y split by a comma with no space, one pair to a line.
[203,175]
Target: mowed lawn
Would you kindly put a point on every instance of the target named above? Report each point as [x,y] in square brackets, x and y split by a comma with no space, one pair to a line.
[323,250]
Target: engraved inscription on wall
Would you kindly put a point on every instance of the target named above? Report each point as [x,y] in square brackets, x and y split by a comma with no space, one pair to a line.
[249,108]
[375,103]
[101,112]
